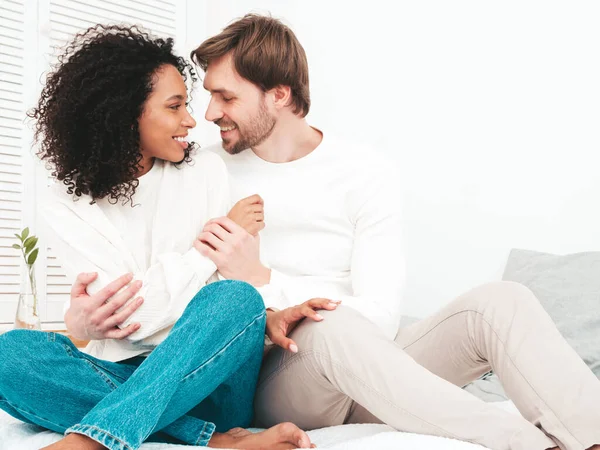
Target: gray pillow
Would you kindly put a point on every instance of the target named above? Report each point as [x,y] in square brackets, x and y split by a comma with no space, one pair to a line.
[568,288]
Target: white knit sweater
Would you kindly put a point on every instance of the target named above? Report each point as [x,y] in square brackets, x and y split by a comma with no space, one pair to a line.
[153,240]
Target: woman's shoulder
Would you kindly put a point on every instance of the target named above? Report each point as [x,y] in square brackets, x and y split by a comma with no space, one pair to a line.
[57,193]
[207,159]
[56,205]
[202,161]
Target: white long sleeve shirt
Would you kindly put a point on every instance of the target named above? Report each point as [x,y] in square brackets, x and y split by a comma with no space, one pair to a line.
[332,228]
[153,240]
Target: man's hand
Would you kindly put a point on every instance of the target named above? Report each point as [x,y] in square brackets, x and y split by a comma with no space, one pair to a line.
[235,252]
[90,317]
[249,213]
[281,323]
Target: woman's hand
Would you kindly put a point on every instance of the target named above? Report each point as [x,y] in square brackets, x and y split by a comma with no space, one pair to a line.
[249,213]
[281,323]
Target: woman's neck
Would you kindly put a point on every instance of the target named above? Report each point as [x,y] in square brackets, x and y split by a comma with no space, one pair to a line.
[146,165]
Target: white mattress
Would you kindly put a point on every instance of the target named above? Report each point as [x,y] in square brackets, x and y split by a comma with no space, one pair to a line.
[17,435]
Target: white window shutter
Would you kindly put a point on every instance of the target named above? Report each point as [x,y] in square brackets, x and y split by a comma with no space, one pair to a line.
[12,111]
[68,17]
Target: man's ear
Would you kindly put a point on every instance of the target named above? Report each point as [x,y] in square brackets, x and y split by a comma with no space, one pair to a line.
[282,96]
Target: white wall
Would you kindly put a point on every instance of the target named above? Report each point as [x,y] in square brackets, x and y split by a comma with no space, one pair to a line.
[491,110]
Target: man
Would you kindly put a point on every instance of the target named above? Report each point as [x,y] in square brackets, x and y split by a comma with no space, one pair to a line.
[332,231]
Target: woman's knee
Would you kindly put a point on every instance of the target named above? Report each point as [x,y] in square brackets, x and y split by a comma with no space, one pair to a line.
[18,342]
[20,352]
[229,304]
[228,296]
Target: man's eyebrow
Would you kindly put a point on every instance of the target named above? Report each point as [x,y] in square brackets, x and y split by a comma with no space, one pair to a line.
[218,91]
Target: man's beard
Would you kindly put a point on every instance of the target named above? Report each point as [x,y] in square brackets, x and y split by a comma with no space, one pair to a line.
[259,129]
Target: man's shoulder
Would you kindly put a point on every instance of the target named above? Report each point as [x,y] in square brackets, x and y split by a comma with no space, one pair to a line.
[365,157]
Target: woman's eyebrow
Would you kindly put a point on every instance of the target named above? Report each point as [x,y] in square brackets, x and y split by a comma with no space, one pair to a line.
[175,97]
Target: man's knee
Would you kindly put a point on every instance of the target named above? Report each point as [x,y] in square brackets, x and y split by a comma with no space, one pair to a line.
[342,323]
[502,295]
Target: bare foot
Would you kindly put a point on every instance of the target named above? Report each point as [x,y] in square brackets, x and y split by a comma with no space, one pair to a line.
[280,437]
[238,432]
[75,441]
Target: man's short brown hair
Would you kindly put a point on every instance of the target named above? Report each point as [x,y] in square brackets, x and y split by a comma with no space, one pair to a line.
[265,52]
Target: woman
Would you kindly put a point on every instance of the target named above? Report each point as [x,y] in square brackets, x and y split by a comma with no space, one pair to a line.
[132,196]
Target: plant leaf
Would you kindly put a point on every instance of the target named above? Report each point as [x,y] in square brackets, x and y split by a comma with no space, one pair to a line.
[30,243]
[19,236]
[25,233]
[16,246]
[32,257]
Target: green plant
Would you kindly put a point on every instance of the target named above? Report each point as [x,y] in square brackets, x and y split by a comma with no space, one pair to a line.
[30,253]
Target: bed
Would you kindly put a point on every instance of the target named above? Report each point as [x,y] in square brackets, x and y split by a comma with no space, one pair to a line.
[17,435]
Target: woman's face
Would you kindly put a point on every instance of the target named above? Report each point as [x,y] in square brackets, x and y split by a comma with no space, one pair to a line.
[165,120]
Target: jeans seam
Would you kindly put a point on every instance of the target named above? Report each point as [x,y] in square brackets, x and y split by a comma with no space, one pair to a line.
[507,355]
[101,374]
[241,333]
[25,413]
[68,350]
[94,367]
[93,427]
[85,357]
[306,354]
[68,346]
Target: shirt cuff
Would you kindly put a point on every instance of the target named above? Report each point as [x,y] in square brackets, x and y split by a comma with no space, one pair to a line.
[277,278]
[273,297]
[202,265]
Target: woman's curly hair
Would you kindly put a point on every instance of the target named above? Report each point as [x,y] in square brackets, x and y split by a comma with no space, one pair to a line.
[87,115]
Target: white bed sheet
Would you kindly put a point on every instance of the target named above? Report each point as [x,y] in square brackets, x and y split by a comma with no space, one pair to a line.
[17,435]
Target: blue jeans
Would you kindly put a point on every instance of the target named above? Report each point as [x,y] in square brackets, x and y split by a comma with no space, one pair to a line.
[200,379]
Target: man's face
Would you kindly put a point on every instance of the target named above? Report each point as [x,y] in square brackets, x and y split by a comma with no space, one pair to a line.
[237,106]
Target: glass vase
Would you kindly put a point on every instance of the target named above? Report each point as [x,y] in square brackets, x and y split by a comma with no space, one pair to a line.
[27,316]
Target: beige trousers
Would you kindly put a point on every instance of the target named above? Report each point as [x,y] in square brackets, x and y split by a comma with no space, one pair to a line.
[347,371]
